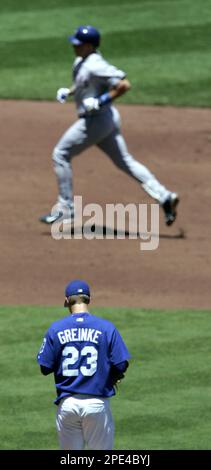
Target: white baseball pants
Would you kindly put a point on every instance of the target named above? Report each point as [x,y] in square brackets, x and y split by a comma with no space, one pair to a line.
[102,130]
[85,422]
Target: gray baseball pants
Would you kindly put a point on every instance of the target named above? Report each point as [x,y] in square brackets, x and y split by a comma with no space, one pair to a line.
[83,421]
[103,130]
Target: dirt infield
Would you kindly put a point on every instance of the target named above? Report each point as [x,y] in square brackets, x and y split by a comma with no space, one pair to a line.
[176,146]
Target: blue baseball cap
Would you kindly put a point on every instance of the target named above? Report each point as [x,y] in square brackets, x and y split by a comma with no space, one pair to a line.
[77,287]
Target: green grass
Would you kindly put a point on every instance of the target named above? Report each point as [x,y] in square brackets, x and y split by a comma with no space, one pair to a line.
[163,45]
[163,403]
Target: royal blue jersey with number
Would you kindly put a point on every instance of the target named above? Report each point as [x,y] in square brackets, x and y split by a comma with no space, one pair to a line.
[80,349]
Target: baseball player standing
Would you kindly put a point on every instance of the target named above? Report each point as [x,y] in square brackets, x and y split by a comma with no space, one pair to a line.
[96,83]
[87,356]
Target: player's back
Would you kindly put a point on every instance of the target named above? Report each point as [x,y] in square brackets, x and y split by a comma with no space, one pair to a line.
[82,348]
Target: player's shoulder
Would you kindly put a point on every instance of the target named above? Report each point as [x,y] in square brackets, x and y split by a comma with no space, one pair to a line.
[60,324]
[95,59]
[103,323]
[100,67]
[92,321]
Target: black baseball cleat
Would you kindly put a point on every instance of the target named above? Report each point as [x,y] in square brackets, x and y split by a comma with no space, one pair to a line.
[169,208]
[50,218]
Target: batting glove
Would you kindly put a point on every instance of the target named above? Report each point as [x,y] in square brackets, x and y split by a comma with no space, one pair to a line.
[62,94]
[91,104]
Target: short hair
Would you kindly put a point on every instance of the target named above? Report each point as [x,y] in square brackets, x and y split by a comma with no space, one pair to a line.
[79,299]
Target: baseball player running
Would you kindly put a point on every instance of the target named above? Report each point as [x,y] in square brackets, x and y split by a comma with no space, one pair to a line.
[96,84]
[88,357]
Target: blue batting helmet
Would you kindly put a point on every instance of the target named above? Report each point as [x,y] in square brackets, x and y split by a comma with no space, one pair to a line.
[85,34]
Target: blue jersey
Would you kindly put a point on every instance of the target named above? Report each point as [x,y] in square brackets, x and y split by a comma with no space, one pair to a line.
[80,349]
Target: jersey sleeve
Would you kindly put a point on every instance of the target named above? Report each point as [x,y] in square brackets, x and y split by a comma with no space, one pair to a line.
[108,73]
[118,349]
[46,354]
